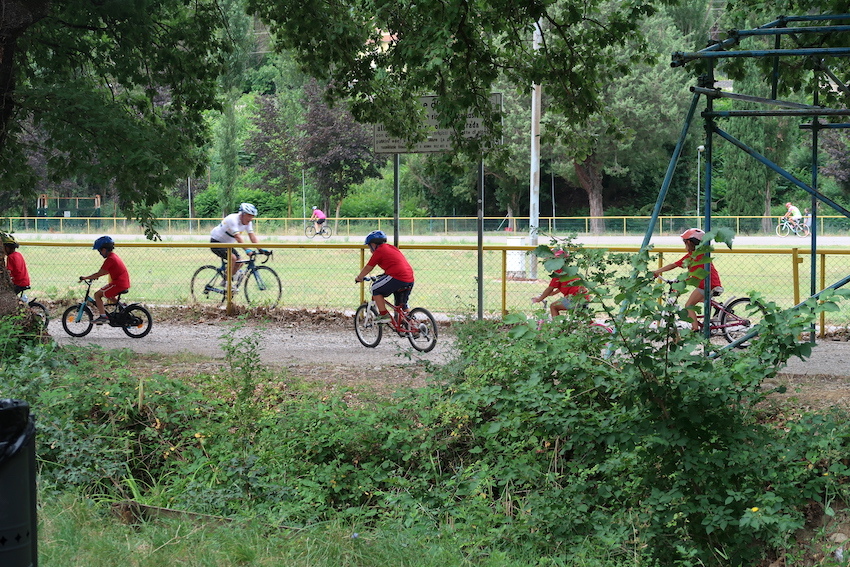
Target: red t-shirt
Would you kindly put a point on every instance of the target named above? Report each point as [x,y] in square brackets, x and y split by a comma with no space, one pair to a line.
[18,269]
[392,261]
[565,287]
[118,274]
[714,278]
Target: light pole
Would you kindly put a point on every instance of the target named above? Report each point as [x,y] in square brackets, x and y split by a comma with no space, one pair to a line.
[700,149]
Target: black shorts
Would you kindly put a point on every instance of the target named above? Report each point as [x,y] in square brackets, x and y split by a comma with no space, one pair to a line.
[320,221]
[222,252]
[387,285]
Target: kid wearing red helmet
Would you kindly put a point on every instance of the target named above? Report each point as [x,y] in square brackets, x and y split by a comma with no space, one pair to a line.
[692,238]
[574,295]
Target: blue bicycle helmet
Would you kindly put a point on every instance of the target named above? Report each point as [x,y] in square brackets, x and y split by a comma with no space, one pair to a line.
[375,235]
[103,241]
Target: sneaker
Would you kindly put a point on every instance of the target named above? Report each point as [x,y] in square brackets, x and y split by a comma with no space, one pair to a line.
[101,320]
[384,319]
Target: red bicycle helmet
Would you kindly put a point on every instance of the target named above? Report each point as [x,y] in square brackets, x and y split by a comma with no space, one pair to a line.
[693,234]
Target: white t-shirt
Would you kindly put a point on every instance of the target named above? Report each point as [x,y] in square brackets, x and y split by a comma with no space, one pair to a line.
[229,228]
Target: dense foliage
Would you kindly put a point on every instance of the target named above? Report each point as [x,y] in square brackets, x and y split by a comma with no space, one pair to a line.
[534,441]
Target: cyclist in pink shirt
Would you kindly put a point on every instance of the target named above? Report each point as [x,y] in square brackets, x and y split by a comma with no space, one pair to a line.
[318,218]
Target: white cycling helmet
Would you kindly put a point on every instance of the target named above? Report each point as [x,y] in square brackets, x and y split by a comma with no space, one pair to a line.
[248,209]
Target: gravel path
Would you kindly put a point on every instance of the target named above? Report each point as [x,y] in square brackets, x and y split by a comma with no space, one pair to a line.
[330,344]
[336,344]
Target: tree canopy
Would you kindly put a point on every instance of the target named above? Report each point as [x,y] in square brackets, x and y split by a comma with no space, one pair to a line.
[112,93]
[382,54]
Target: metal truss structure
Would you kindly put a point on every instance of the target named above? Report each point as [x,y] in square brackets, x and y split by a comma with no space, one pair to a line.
[817,117]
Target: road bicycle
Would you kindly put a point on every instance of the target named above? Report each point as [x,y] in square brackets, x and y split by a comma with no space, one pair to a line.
[418,325]
[732,319]
[39,310]
[260,284]
[135,320]
[787,226]
[310,230]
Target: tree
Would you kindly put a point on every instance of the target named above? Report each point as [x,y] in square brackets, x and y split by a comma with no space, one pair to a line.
[335,149]
[117,90]
[382,54]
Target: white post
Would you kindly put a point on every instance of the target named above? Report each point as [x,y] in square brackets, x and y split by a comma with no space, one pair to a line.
[534,200]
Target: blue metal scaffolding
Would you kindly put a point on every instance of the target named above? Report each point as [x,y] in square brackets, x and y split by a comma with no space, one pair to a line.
[837,33]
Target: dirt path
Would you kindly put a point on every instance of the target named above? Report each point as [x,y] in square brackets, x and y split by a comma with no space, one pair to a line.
[330,351]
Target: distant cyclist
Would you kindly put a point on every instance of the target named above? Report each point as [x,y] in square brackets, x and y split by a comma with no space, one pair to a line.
[318,218]
[692,238]
[397,278]
[793,214]
[230,230]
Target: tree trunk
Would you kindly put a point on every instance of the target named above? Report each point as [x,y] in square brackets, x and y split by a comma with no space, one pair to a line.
[15,17]
[767,219]
[589,174]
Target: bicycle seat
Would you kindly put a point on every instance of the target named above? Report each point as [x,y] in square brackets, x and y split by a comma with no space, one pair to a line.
[717,290]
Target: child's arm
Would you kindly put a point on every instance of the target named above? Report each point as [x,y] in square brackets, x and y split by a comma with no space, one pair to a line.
[666,268]
[546,293]
[95,275]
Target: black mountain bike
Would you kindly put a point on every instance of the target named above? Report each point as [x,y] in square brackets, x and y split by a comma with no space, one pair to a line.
[135,320]
[260,284]
[37,308]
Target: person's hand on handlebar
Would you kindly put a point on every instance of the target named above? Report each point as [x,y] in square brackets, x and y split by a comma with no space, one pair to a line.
[249,251]
[264,251]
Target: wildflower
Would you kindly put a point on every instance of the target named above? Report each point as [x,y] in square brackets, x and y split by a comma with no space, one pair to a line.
[754,509]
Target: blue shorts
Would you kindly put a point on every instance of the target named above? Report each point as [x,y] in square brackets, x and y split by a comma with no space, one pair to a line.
[387,285]
[573,302]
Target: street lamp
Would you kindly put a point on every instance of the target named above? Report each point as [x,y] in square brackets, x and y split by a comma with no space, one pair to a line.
[700,149]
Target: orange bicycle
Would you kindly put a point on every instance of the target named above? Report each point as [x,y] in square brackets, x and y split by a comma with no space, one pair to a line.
[418,325]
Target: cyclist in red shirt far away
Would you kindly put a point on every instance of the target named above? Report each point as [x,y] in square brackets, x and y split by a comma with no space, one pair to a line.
[119,278]
[692,238]
[397,278]
[574,295]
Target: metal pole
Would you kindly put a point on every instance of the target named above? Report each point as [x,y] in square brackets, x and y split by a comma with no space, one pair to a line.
[481,240]
[700,149]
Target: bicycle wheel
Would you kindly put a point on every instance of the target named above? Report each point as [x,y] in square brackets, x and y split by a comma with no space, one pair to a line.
[310,231]
[262,287]
[76,328]
[782,229]
[738,319]
[208,286]
[802,231]
[137,321]
[423,336]
[368,332]
[326,231]
[40,311]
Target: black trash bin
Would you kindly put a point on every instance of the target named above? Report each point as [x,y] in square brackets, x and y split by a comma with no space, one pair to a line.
[18,521]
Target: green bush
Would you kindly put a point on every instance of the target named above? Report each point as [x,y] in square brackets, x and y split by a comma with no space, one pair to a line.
[533,442]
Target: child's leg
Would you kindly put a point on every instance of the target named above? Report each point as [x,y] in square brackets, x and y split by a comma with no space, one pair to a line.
[380,303]
[697,296]
[98,299]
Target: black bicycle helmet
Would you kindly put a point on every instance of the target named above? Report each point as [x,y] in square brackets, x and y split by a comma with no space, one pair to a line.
[9,240]
[375,235]
[103,241]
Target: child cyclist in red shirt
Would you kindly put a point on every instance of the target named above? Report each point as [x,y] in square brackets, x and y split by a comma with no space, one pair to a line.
[119,278]
[692,238]
[397,278]
[15,264]
[574,295]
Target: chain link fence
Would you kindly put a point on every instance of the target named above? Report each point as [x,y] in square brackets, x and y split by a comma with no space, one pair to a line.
[321,276]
